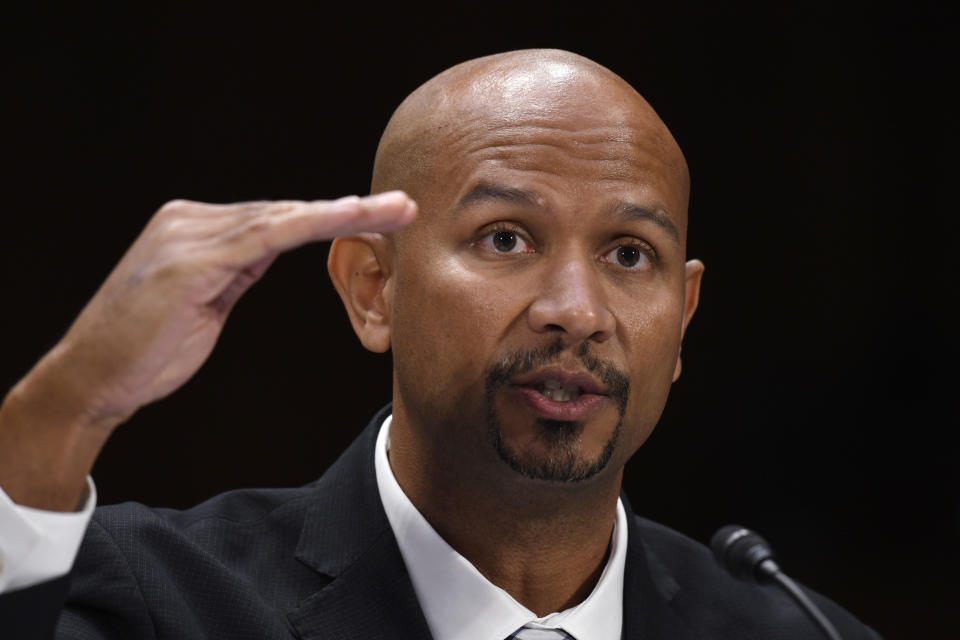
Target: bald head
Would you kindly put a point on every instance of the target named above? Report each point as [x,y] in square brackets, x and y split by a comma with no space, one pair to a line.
[509,92]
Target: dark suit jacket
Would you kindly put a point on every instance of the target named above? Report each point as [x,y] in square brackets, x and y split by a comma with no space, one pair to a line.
[322,562]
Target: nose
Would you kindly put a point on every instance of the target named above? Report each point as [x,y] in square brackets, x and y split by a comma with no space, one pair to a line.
[572,304]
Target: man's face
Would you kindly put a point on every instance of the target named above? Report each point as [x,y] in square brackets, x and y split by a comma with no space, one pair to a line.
[538,301]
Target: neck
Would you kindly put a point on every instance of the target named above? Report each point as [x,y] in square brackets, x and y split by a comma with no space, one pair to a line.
[544,543]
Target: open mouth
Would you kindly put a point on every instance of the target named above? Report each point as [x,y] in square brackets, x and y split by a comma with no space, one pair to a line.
[559,385]
[558,391]
[557,394]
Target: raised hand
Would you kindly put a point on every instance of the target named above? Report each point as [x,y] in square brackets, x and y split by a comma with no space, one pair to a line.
[151,325]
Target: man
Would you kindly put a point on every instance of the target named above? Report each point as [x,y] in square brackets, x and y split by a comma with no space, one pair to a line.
[534,309]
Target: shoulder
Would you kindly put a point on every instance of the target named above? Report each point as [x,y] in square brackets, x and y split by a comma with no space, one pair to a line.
[719,605]
[232,536]
[231,510]
[224,528]
[143,569]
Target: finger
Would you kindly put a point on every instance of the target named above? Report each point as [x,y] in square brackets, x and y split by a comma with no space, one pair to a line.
[381,212]
[282,226]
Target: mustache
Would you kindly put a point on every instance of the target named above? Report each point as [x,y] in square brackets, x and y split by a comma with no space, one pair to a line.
[520,362]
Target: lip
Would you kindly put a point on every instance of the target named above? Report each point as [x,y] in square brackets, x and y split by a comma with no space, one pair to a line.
[576,410]
[592,398]
[587,383]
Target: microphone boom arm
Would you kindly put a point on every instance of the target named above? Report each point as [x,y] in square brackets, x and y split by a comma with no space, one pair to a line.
[747,556]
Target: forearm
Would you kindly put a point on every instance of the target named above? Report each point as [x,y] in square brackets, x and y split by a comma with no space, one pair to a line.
[49,437]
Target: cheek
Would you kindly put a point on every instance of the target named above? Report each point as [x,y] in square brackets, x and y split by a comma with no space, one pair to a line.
[650,332]
[447,323]
[651,338]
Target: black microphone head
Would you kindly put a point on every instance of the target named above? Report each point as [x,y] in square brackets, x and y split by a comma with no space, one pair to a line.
[743,553]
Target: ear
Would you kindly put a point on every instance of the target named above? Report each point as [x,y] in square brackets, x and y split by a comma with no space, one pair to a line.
[691,296]
[360,267]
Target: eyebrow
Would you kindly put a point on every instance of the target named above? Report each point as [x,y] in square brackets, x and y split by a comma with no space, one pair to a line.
[632,211]
[493,192]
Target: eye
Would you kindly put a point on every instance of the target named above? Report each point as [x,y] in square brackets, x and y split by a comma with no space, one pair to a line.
[631,255]
[505,240]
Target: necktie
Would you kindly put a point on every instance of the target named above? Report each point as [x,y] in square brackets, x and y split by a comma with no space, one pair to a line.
[526,633]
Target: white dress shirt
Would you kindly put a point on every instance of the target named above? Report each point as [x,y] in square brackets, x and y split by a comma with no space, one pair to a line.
[459,603]
[38,545]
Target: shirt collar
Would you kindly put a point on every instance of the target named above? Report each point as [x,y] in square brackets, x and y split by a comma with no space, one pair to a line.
[459,603]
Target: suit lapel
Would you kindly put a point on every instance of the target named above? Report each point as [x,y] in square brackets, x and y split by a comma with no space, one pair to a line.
[373,598]
[649,591]
[346,536]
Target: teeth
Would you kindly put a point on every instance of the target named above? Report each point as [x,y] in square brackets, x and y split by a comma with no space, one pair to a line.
[558,395]
[559,392]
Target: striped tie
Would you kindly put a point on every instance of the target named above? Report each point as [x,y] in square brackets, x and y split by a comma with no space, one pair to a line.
[525,633]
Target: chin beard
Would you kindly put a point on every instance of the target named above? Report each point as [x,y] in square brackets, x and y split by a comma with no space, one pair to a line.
[562,462]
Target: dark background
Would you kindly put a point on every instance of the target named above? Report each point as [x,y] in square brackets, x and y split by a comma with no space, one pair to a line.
[816,403]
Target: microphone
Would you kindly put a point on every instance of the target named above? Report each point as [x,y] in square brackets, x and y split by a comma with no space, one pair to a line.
[747,556]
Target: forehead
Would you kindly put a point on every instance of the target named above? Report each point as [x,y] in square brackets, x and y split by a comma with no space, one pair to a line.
[576,144]
[596,148]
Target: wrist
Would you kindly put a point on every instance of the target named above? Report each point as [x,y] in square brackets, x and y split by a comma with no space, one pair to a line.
[50,436]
